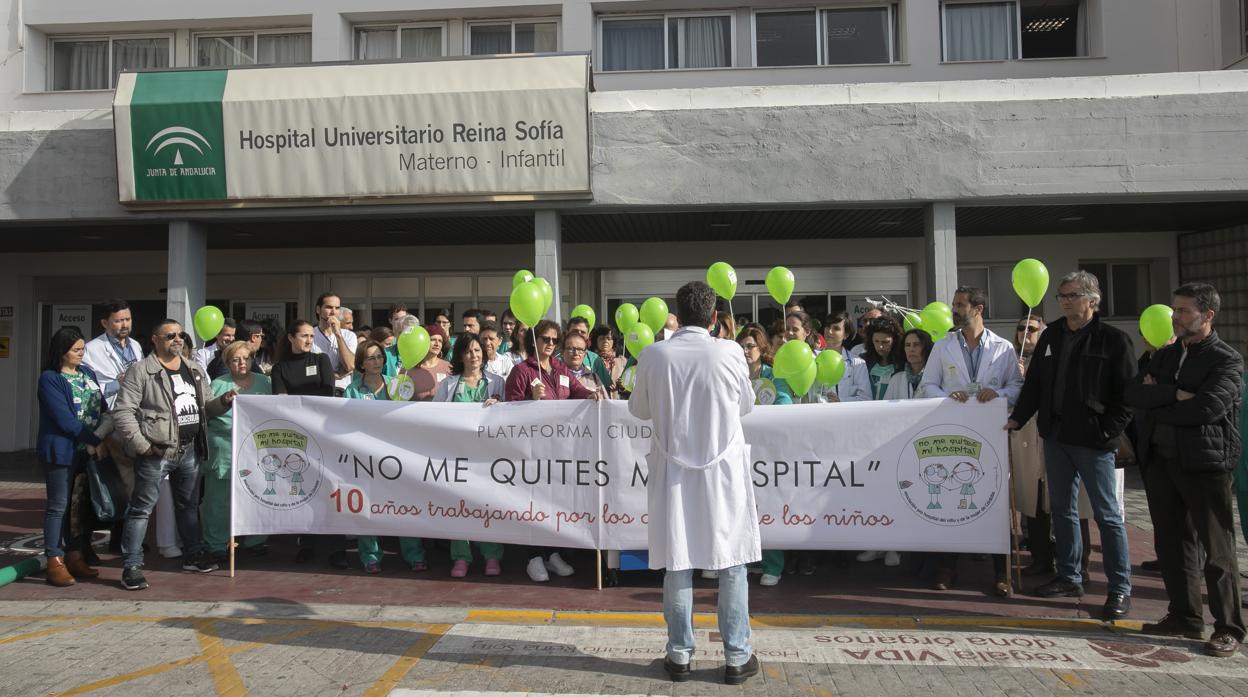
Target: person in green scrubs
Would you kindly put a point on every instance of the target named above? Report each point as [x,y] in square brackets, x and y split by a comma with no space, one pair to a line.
[471,382]
[215,509]
[369,382]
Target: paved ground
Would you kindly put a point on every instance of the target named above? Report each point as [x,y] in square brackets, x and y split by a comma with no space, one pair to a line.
[279,628]
[194,648]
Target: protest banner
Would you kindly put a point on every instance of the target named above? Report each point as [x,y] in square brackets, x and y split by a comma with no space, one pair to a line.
[914,475]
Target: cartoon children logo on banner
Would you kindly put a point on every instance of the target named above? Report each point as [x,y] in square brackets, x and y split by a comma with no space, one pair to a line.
[938,474]
[280,450]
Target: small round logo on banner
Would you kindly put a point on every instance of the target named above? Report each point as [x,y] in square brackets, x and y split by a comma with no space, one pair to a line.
[280,465]
[949,474]
[764,391]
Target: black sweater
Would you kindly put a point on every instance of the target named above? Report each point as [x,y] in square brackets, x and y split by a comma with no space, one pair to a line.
[295,375]
[1205,427]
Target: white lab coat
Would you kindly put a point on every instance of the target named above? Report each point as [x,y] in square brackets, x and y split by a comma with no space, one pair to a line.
[694,389]
[855,384]
[99,356]
[946,370]
[899,387]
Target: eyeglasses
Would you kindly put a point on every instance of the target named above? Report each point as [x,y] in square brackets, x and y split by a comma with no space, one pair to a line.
[573,349]
[1029,330]
[548,339]
[749,347]
[1061,297]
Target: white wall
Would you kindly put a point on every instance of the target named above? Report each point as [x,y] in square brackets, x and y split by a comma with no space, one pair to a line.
[1126,36]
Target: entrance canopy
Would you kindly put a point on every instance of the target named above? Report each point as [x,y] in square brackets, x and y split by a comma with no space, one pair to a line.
[514,128]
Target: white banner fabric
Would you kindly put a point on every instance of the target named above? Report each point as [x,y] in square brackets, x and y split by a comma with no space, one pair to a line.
[917,475]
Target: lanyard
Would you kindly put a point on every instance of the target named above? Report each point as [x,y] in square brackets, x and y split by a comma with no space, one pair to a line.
[973,358]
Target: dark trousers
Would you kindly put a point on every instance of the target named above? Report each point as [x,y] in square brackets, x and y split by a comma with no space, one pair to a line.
[1190,510]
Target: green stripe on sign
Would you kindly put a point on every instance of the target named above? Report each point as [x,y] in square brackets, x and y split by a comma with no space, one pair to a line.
[178,136]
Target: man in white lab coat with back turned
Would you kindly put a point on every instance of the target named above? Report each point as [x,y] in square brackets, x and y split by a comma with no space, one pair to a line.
[695,388]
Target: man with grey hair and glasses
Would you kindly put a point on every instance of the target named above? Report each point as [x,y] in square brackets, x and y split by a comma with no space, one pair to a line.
[1189,397]
[1076,388]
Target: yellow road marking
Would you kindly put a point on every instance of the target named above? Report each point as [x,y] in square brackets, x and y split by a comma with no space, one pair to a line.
[407,661]
[1072,680]
[45,632]
[173,665]
[225,676]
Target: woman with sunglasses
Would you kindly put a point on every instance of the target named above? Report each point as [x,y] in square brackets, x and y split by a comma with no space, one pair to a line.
[537,378]
[470,382]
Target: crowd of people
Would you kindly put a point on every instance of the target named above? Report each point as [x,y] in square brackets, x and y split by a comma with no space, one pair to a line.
[1082,406]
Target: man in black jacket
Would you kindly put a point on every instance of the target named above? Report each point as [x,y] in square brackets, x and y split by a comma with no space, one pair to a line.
[1189,443]
[1075,386]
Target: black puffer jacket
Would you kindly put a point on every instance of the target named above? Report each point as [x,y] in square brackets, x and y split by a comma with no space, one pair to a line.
[1206,427]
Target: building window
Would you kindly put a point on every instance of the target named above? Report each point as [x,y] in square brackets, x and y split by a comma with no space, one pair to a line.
[668,41]
[402,41]
[253,48]
[786,38]
[494,38]
[835,36]
[93,63]
[1003,303]
[1125,286]
[973,30]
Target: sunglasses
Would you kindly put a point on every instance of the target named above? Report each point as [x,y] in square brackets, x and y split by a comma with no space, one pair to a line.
[548,339]
[168,336]
[1029,330]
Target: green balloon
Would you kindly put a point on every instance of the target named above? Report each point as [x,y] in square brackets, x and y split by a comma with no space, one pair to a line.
[528,303]
[548,294]
[653,314]
[626,316]
[801,383]
[937,319]
[521,276]
[831,368]
[912,321]
[587,312]
[638,338]
[722,278]
[413,346]
[793,358]
[208,322]
[1155,325]
[1031,281]
[780,284]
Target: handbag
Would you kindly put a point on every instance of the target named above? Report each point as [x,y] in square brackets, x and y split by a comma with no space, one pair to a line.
[108,492]
[1125,454]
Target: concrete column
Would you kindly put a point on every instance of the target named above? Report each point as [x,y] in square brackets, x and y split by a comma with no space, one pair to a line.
[188,272]
[578,26]
[940,251]
[548,256]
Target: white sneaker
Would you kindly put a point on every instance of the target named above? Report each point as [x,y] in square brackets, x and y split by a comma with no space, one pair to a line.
[768,580]
[892,559]
[710,574]
[559,566]
[869,556]
[537,570]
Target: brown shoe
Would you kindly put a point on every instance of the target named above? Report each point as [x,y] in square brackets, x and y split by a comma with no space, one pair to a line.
[1222,645]
[57,574]
[77,565]
[1002,587]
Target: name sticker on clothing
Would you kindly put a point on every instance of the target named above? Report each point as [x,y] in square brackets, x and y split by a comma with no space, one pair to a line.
[563,381]
[310,371]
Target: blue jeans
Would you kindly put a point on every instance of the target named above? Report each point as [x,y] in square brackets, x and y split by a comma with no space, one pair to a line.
[183,472]
[734,614]
[60,483]
[1067,465]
